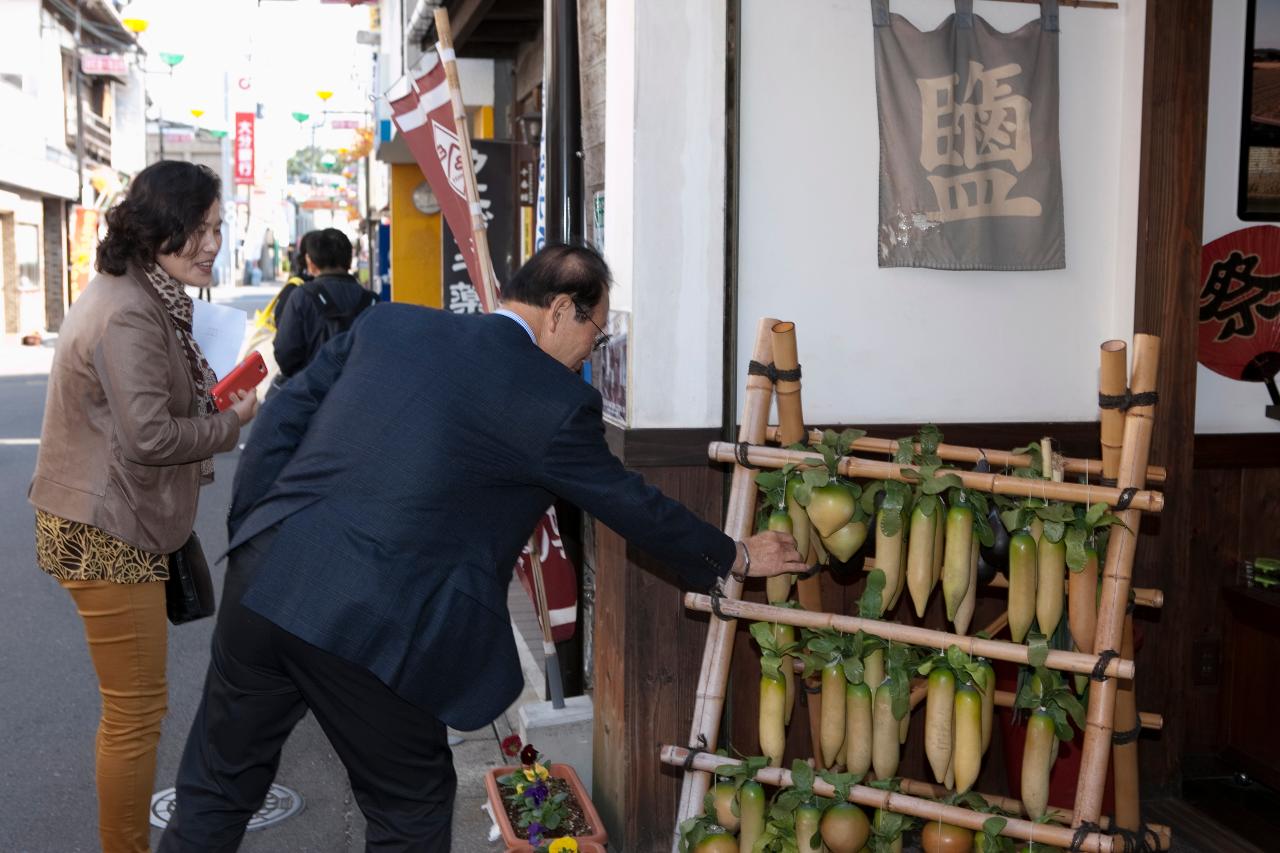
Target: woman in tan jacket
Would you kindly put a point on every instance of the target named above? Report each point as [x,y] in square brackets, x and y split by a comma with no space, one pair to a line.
[129,429]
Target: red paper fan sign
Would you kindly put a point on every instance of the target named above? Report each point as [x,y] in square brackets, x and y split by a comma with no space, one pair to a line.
[1240,304]
[559,578]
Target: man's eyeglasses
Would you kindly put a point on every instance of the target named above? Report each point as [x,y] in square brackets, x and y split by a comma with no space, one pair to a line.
[601,339]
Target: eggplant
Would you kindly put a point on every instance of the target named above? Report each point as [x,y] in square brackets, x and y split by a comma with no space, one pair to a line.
[997,556]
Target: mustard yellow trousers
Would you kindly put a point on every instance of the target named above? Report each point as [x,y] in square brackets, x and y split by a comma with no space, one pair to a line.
[127,631]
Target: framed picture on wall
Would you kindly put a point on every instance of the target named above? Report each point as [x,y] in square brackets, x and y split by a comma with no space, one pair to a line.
[1259,195]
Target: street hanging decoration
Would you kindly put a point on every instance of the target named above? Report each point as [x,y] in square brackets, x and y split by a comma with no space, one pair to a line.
[1239,308]
[425,106]
[970,172]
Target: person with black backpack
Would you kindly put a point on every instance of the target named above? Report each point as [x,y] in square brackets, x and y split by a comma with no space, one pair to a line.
[321,308]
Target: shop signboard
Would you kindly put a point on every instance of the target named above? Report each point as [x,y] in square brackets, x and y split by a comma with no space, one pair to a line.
[244,148]
[494,165]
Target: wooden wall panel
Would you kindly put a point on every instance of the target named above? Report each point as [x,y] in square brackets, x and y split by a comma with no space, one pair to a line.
[1170,221]
[1215,551]
[648,653]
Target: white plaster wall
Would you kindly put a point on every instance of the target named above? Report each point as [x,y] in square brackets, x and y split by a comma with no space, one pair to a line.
[1222,404]
[908,345]
[664,202]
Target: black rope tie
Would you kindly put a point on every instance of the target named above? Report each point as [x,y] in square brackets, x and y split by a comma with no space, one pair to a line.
[1083,831]
[1104,660]
[813,570]
[695,751]
[814,688]
[771,371]
[1109,482]
[717,596]
[1126,498]
[743,448]
[1133,602]
[1126,401]
[1121,738]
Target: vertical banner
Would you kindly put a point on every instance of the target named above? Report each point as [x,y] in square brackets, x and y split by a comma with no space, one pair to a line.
[494,182]
[244,148]
[970,170]
[422,110]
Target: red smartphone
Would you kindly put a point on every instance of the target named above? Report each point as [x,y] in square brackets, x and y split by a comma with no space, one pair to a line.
[245,376]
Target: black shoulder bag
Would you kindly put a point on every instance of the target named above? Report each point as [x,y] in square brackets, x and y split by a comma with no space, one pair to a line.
[188,594]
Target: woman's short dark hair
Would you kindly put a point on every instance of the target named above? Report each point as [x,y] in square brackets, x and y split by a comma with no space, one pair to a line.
[162,210]
[578,271]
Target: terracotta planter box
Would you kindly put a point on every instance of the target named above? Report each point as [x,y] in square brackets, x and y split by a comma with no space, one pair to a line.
[586,843]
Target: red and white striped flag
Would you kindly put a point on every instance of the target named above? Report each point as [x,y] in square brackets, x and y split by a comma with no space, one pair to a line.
[421,107]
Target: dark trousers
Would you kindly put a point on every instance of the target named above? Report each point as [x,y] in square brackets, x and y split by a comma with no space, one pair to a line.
[261,681]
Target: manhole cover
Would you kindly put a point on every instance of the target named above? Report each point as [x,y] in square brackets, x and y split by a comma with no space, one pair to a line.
[281,804]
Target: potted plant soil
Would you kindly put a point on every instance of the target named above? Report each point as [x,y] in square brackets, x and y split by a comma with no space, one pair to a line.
[535,803]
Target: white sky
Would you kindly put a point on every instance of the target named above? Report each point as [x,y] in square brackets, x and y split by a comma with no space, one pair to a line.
[283,50]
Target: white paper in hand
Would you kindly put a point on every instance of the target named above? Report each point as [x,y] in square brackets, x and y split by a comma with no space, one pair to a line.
[219,330]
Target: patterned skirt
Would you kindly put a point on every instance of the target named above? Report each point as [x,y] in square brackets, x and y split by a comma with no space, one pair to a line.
[75,551]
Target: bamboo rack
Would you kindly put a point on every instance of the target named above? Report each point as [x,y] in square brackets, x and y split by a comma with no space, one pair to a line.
[1005,699]
[1104,714]
[854,467]
[1025,830]
[1092,468]
[714,674]
[927,637]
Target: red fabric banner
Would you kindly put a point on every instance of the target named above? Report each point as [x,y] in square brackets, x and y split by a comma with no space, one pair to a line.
[425,116]
[421,108]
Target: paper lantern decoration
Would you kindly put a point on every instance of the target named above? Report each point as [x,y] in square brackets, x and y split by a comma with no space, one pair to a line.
[1240,304]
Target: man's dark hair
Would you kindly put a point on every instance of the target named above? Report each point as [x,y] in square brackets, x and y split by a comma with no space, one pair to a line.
[578,271]
[161,212]
[328,249]
[300,256]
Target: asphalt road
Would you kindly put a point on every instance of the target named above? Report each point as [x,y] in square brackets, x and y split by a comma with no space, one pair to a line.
[49,702]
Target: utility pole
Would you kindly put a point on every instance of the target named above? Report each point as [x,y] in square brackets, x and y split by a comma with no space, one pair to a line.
[79,78]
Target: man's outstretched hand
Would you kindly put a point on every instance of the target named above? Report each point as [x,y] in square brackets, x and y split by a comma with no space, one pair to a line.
[771,553]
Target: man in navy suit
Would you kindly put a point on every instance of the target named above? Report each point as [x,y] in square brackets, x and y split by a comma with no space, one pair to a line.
[378,512]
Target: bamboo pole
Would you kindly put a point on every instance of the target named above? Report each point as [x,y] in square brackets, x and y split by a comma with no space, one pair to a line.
[1091,468]
[917,788]
[856,467]
[1112,382]
[488,288]
[1142,596]
[1125,756]
[996,649]
[791,429]
[928,810]
[714,673]
[1116,578]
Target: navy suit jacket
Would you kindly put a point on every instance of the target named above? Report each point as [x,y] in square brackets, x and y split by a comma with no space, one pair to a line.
[406,467]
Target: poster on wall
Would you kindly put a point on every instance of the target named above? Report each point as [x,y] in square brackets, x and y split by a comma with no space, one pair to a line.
[1258,198]
[611,362]
[970,171]
[84,246]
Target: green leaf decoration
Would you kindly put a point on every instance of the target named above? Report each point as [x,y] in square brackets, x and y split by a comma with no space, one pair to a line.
[815,477]
[1038,648]
[1054,531]
[1076,555]
[847,440]
[853,669]
[770,480]
[802,777]
[1096,511]
[906,451]
[871,603]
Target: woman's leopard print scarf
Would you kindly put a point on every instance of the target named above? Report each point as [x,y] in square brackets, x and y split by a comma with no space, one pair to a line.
[176,301]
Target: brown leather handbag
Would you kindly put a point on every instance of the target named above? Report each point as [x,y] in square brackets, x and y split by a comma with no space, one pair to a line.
[188,594]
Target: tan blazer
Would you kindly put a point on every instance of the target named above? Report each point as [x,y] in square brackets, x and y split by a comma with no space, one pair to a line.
[121,443]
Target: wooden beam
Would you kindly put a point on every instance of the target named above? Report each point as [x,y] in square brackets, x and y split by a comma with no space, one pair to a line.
[465,16]
[1170,224]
